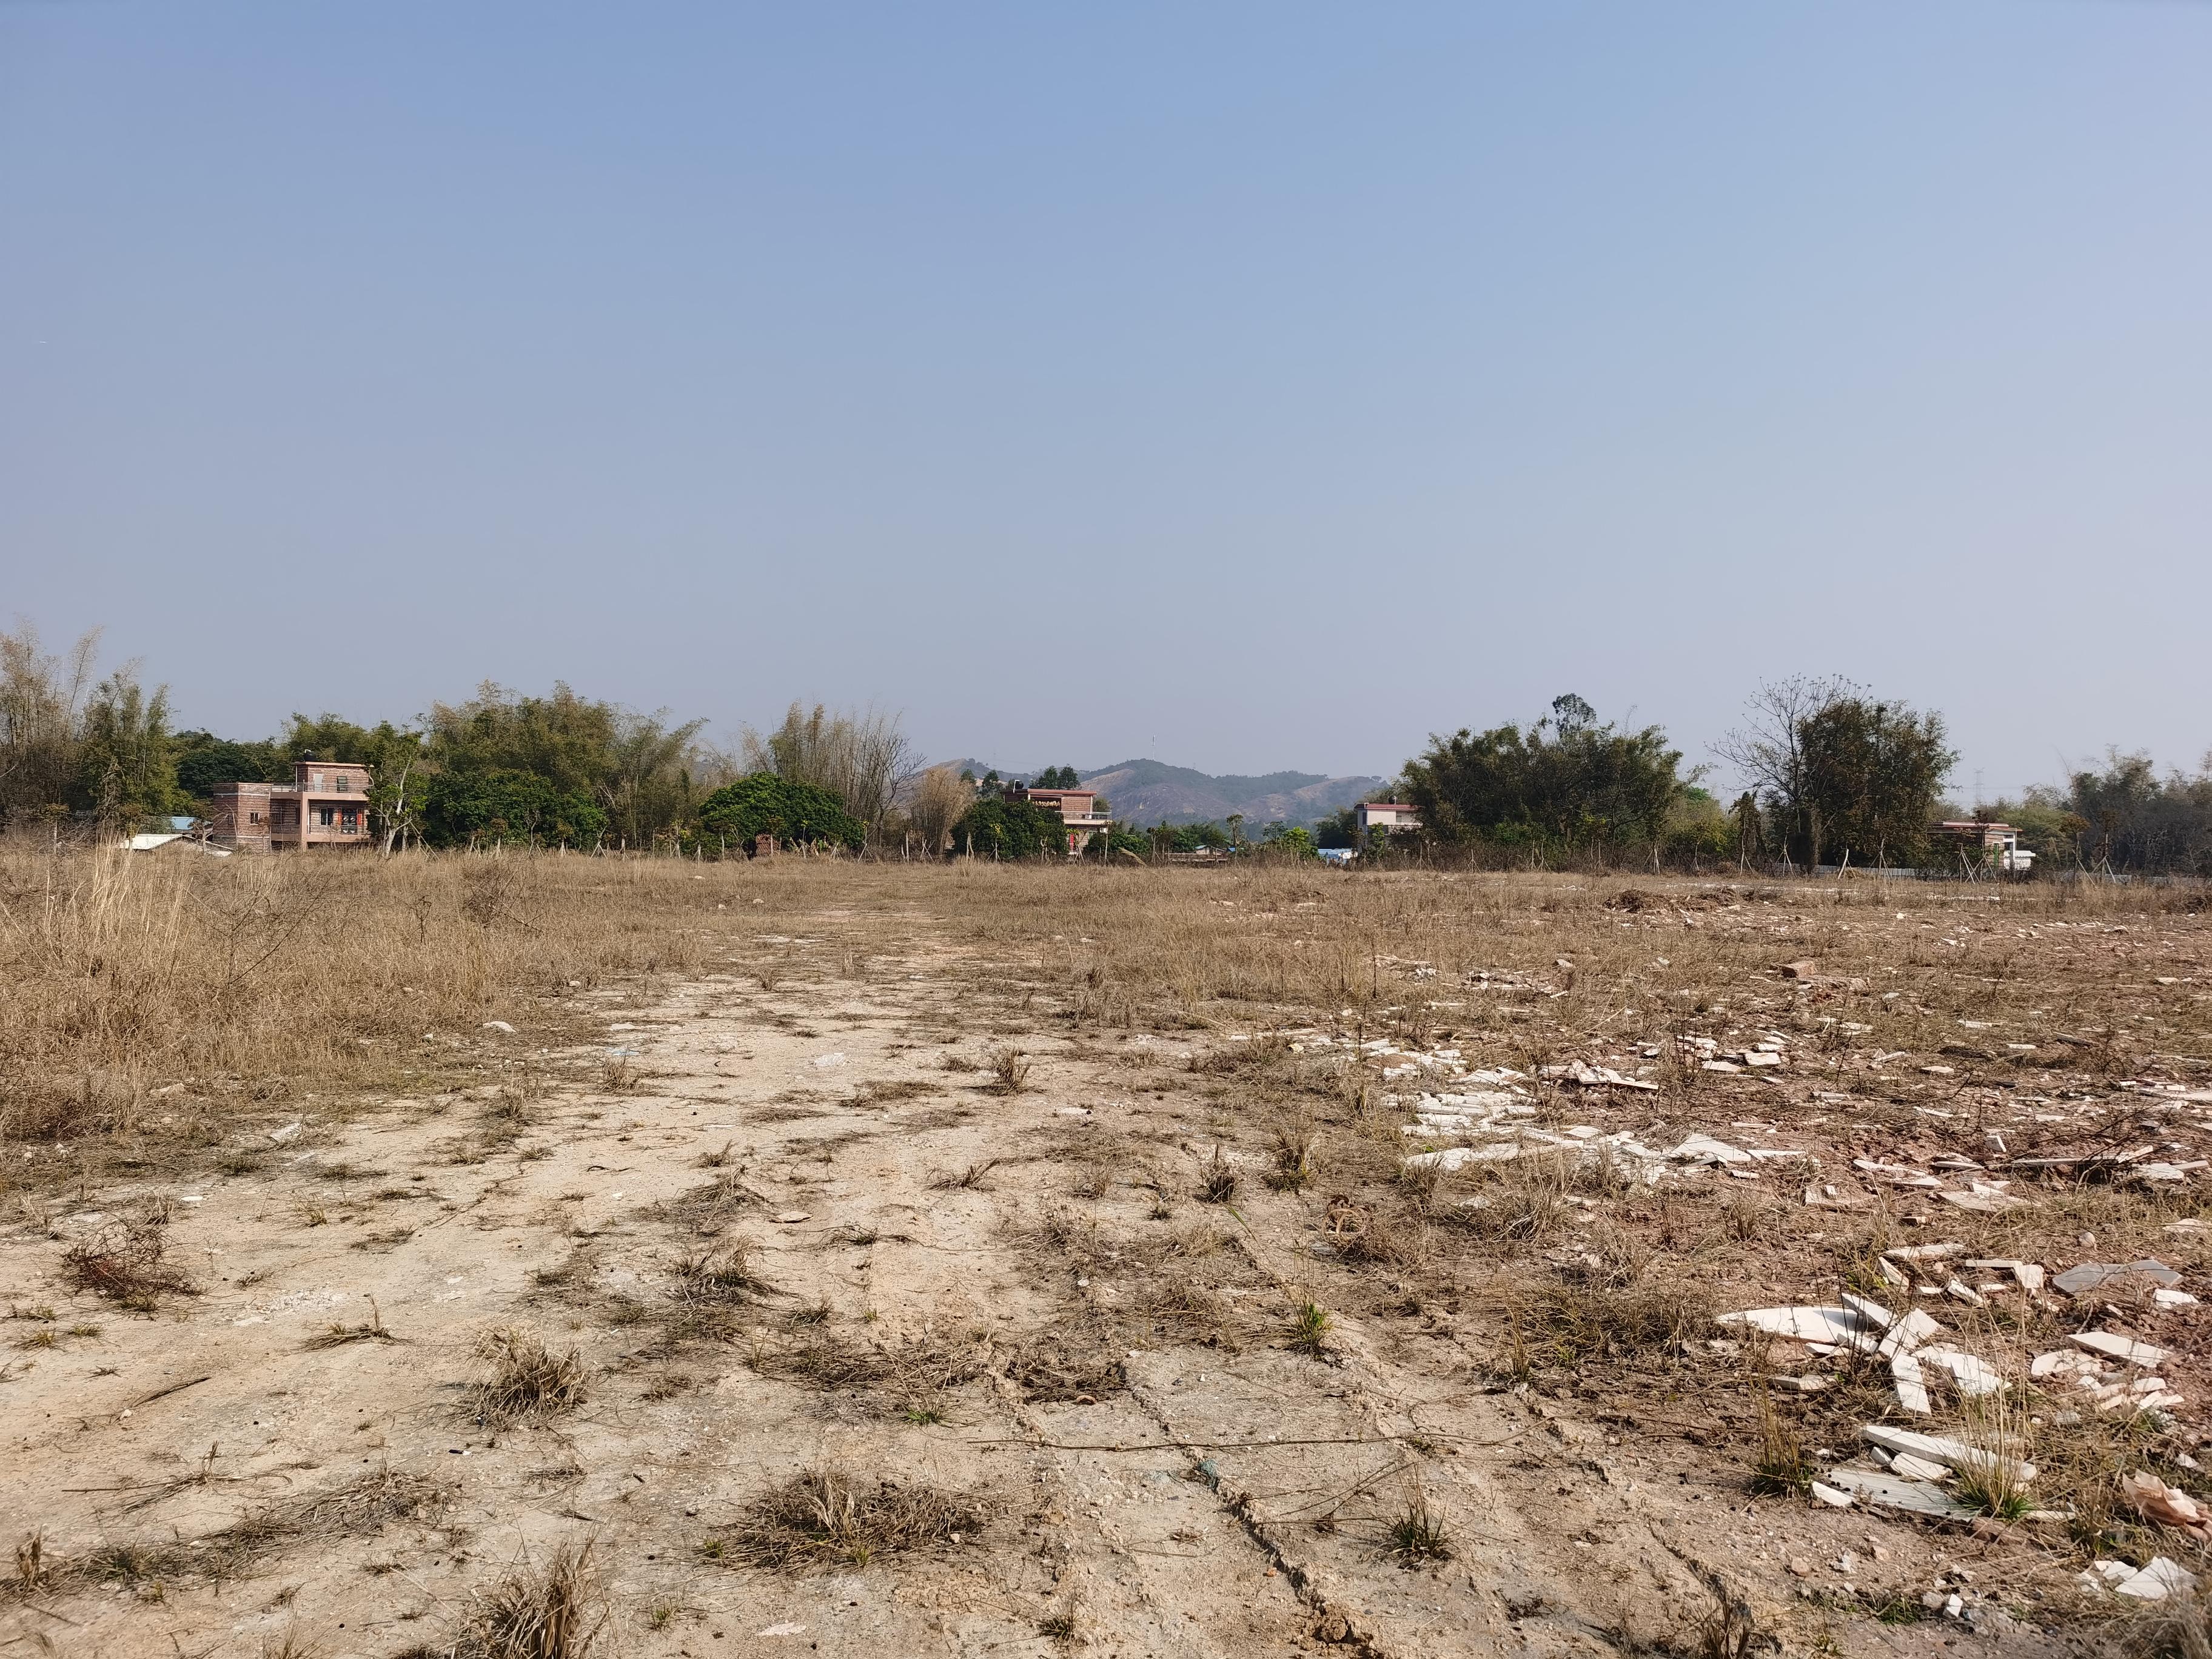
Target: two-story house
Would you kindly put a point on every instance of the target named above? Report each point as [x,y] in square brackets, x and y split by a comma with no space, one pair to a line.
[1078,810]
[326,805]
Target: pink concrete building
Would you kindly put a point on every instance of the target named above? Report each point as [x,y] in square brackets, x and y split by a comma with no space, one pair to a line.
[326,805]
[1078,810]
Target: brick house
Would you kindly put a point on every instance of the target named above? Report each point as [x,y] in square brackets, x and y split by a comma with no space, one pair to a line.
[326,805]
[1078,810]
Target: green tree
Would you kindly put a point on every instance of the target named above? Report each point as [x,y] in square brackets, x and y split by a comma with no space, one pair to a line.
[1565,781]
[636,770]
[126,768]
[1339,829]
[2123,817]
[795,813]
[997,828]
[1842,775]
[491,805]
[205,762]
[41,700]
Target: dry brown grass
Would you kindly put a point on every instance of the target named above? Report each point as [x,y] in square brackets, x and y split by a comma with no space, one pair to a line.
[522,1378]
[359,1509]
[130,1268]
[131,973]
[557,1612]
[828,1515]
[120,971]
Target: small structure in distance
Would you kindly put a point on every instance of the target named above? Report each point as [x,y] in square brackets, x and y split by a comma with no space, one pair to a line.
[1986,842]
[1385,814]
[1078,810]
[326,805]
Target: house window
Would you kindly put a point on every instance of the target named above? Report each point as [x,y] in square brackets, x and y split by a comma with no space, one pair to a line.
[253,818]
[350,820]
[324,815]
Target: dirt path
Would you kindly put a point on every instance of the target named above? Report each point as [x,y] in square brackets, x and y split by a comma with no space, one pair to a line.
[1011,1302]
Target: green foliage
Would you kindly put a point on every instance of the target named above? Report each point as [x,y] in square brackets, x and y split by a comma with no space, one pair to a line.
[1340,829]
[1187,838]
[632,771]
[997,828]
[1697,827]
[204,762]
[1839,774]
[1287,840]
[126,766]
[1057,777]
[1874,772]
[489,804]
[1565,782]
[793,812]
[2123,816]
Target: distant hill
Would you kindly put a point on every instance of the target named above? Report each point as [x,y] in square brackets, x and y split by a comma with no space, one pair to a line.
[1153,792]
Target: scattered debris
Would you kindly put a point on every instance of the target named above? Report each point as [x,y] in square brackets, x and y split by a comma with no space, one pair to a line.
[1916,1497]
[2160,1579]
[2169,1506]
[2119,1347]
[2095,1275]
[1955,1454]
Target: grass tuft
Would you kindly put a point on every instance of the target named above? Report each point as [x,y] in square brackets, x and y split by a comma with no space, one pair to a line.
[828,1515]
[1217,1180]
[557,1613]
[1418,1532]
[129,1270]
[1010,1071]
[524,1378]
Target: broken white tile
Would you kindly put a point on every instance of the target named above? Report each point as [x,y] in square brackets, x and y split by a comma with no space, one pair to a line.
[1973,1378]
[1453,1157]
[1911,1386]
[1894,1174]
[2160,1579]
[2119,1347]
[1927,1252]
[1916,1497]
[1704,1149]
[1837,1327]
[1917,1468]
[1909,1333]
[1868,1309]
[1934,1449]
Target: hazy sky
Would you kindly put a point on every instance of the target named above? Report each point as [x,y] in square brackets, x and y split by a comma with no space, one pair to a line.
[1246,385]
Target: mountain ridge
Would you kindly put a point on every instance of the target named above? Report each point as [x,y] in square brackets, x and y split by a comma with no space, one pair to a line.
[1144,791]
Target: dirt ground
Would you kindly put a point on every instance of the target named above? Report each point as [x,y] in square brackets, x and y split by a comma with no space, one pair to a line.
[912,1272]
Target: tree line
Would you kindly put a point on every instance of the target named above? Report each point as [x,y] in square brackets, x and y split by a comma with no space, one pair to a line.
[1832,774]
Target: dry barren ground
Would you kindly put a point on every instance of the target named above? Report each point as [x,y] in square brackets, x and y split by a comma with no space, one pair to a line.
[1005,1261]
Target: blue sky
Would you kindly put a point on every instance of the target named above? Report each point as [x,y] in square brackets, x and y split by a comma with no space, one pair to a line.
[1245,385]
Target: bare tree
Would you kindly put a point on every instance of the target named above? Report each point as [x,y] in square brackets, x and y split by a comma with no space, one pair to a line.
[860,756]
[1769,750]
[940,796]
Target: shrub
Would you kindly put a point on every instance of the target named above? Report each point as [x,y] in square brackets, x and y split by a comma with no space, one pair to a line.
[766,804]
[462,809]
[1010,829]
